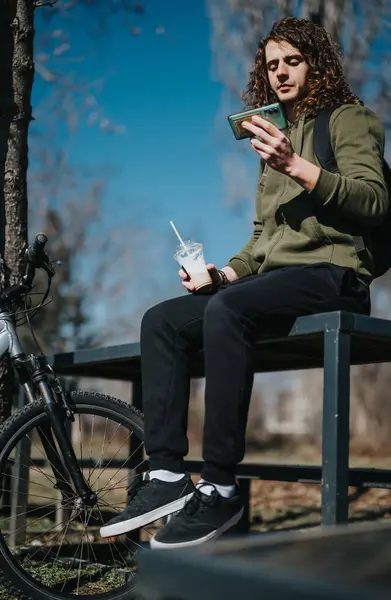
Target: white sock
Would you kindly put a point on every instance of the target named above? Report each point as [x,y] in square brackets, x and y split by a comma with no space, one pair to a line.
[165,475]
[227,491]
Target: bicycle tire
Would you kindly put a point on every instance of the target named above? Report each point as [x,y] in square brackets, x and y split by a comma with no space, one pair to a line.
[18,581]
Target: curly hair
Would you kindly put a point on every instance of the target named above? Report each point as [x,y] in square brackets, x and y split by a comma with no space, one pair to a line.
[327,85]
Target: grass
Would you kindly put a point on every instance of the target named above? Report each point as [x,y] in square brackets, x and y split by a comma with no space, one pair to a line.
[56,576]
[6,595]
[89,579]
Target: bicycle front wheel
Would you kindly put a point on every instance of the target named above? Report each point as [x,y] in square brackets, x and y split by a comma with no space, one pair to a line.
[50,548]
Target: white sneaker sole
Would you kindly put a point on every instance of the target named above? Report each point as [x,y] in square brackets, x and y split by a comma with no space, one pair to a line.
[215,534]
[145,519]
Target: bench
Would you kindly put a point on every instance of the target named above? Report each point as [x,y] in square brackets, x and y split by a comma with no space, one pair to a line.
[349,562]
[333,341]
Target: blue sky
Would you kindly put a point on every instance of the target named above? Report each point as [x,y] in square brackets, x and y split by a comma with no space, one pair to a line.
[167,164]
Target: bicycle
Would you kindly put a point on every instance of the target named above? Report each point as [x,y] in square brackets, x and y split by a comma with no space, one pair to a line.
[54,551]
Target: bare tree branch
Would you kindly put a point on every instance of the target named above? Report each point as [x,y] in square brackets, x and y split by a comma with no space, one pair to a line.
[39,3]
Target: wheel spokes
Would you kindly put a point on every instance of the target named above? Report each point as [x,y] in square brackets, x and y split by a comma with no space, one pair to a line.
[60,532]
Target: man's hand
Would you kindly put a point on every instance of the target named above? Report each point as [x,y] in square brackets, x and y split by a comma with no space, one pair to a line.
[273,146]
[276,150]
[216,277]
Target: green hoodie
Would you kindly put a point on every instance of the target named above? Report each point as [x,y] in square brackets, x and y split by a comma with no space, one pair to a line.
[295,227]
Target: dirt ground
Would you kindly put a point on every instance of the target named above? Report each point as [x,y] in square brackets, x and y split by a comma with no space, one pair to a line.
[280,505]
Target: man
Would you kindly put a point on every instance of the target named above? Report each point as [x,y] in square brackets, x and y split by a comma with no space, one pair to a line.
[300,260]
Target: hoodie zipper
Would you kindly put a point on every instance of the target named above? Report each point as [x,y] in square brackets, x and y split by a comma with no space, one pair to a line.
[277,241]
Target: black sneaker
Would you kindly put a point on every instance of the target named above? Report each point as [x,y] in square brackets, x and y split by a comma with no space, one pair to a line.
[150,499]
[201,519]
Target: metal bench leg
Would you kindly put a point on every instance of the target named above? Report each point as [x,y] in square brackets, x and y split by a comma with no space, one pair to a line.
[245,521]
[335,444]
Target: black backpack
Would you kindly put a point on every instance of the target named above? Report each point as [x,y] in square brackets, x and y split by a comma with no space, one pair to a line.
[378,240]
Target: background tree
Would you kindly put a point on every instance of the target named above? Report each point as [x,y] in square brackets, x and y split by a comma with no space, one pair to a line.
[69,98]
[16,72]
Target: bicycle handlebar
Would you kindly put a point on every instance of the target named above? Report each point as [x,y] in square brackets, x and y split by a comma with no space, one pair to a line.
[35,253]
[36,258]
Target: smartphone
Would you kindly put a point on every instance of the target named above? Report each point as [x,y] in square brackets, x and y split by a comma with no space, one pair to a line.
[273,113]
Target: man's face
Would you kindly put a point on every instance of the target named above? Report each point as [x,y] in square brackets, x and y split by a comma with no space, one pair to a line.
[287,71]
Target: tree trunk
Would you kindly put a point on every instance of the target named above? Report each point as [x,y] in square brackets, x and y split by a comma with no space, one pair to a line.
[17,75]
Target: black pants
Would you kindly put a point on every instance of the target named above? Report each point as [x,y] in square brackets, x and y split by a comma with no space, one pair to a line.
[225,325]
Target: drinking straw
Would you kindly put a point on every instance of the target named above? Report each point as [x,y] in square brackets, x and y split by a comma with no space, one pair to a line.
[177,234]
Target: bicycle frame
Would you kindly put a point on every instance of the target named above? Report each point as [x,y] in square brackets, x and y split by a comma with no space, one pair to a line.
[10,344]
[9,341]
[35,383]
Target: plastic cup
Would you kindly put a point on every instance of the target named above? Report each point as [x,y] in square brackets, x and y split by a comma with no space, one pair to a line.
[190,256]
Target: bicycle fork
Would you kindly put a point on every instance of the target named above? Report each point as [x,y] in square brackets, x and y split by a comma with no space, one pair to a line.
[58,424]
[33,377]
[55,412]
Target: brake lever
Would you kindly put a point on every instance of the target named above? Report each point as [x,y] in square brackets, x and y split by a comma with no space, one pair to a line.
[46,266]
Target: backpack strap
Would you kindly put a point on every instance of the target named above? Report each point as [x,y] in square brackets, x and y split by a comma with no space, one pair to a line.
[325,154]
[322,141]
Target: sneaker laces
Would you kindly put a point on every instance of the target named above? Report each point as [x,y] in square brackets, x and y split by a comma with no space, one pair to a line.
[139,482]
[200,501]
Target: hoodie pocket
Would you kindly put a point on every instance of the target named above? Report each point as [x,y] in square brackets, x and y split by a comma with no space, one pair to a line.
[299,215]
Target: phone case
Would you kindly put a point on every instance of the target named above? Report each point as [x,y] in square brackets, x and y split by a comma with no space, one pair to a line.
[273,113]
